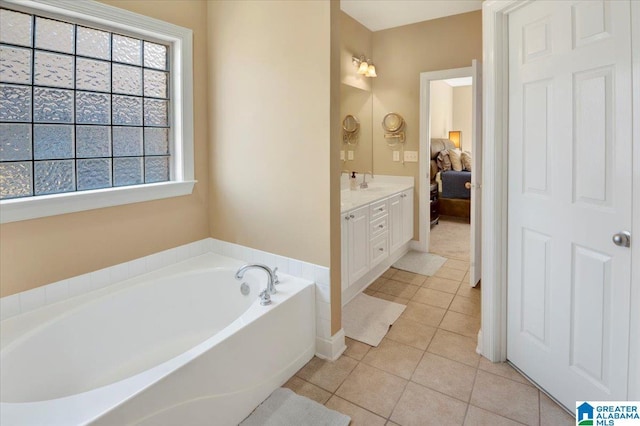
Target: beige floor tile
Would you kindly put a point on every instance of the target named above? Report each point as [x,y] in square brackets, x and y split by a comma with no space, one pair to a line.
[479,417]
[442,284]
[450,274]
[465,290]
[372,389]
[461,324]
[390,423]
[391,298]
[359,416]
[457,264]
[466,277]
[309,390]
[411,333]
[465,305]
[369,292]
[395,358]
[356,350]
[422,406]
[398,289]
[326,374]
[502,369]
[423,314]
[446,376]
[389,272]
[433,297]
[409,277]
[375,286]
[551,414]
[454,346]
[505,397]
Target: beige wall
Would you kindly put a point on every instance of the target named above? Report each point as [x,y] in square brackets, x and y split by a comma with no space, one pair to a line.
[441,109]
[401,54]
[40,251]
[463,114]
[269,100]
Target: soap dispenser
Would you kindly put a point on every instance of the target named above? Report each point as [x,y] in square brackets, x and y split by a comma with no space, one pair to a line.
[353,185]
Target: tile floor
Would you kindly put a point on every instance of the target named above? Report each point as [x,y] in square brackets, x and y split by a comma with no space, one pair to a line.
[426,370]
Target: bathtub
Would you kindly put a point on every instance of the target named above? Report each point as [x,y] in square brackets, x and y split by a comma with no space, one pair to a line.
[180,345]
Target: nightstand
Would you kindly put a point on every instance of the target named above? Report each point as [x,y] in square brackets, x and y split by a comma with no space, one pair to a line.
[435,204]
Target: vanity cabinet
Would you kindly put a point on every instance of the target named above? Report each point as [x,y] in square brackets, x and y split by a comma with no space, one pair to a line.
[372,234]
[355,227]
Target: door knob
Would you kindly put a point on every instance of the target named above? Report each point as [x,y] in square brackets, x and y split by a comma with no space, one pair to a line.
[622,239]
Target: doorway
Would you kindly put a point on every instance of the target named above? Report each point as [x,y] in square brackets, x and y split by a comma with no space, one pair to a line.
[436,125]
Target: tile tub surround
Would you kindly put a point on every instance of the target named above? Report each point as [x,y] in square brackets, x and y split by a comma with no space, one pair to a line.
[327,346]
[426,370]
[381,186]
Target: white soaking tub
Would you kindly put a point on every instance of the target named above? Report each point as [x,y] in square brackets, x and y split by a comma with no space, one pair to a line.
[178,346]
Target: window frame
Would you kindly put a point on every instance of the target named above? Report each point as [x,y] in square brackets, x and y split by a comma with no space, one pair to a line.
[101,16]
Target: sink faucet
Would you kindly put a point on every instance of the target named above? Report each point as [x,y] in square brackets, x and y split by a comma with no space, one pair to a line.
[265,295]
[364,184]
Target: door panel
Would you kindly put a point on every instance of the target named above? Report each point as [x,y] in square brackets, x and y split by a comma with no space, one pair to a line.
[476,177]
[569,191]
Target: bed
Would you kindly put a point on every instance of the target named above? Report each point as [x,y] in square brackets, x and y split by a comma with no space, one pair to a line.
[454,186]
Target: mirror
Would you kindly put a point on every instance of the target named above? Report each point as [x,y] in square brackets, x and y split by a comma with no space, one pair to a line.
[356,109]
[393,125]
[350,128]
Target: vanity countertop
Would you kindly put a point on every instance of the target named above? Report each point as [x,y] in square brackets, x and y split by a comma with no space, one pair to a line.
[380,187]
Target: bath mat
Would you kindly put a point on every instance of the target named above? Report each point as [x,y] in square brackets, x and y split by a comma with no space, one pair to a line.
[420,263]
[285,408]
[367,319]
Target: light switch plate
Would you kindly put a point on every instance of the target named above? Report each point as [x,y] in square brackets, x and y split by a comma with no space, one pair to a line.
[350,155]
[396,155]
[342,155]
[411,156]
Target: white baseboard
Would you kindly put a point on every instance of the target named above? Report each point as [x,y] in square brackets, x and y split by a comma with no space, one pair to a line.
[479,347]
[331,349]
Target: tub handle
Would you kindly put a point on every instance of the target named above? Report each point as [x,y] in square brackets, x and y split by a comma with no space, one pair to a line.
[276,279]
[265,298]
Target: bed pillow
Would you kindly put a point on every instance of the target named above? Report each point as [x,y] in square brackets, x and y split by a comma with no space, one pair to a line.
[454,156]
[443,161]
[465,157]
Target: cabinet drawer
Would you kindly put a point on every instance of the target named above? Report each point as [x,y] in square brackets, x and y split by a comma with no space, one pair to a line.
[379,226]
[379,209]
[379,248]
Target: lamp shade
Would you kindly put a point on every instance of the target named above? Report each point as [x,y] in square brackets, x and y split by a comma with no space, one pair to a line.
[371,71]
[364,66]
[455,136]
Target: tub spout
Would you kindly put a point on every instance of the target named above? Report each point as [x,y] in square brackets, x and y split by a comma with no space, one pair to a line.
[265,296]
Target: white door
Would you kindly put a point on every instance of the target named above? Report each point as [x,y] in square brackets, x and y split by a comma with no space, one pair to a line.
[407,215]
[569,191]
[476,176]
[358,243]
[395,223]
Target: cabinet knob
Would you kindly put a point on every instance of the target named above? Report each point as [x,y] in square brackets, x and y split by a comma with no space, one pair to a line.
[380,226]
[347,217]
[381,209]
[351,216]
[380,249]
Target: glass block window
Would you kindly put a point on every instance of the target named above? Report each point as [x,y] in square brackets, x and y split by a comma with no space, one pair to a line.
[80,108]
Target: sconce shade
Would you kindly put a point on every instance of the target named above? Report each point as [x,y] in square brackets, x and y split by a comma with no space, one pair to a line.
[371,71]
[455,136]
[364,66]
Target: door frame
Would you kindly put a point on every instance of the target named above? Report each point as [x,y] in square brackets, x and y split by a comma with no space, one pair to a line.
[493,339]
[424,225]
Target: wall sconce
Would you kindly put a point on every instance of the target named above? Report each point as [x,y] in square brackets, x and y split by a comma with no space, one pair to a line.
[455,136]
[365,66]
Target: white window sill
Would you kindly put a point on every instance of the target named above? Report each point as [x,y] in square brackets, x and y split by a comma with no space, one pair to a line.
[13,210]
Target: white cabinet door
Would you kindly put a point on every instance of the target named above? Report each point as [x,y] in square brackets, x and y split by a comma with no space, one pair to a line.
[407,215]
[358,243]
[345,251]
[396,219]
[570,132]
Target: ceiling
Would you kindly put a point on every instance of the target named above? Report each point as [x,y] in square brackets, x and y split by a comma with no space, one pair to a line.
[379,15]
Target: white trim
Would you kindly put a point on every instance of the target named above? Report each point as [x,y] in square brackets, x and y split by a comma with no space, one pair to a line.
[424,224]
[494,177]
[331,349]
[634,330]
[181,111]
[17,209]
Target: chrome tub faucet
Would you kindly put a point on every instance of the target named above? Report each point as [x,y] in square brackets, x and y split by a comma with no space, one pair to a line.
[272,280]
